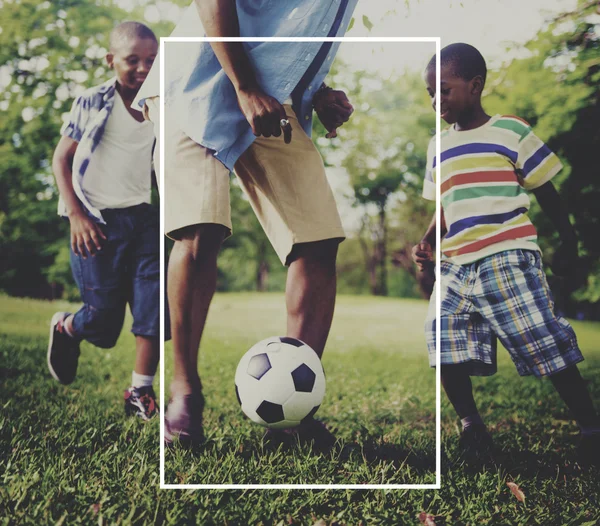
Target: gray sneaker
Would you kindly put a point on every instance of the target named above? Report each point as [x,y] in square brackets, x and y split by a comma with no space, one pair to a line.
[63,350]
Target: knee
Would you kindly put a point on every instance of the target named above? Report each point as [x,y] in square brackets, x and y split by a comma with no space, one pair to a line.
[200,243]
[103,326]
[319,255]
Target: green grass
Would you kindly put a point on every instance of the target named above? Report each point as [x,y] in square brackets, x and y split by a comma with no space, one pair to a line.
[69,455]
[380,399]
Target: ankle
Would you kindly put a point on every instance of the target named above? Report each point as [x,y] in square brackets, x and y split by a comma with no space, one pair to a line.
[68,326]
[185,386]
[473,420]
[141,380]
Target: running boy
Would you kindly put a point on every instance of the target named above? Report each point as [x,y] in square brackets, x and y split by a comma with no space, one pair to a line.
[492,281]
[102,166]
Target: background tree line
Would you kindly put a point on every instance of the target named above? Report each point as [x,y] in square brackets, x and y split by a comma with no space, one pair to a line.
[51,51]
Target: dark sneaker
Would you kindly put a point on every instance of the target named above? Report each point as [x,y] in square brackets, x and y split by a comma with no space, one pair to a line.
[476,440]
[588,451]
[140,401]
[63,350]
[183,420]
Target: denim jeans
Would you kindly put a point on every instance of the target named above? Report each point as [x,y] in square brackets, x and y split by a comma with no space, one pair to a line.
[126,270]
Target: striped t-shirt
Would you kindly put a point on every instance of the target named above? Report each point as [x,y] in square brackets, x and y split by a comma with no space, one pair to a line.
[485,173]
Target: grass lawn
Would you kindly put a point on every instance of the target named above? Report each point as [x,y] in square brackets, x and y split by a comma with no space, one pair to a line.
[68,454]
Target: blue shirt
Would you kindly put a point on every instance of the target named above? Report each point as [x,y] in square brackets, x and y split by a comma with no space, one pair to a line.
[203,97]
[86,124]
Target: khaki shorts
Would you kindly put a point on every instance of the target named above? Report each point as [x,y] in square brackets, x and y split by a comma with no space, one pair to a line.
[285,184]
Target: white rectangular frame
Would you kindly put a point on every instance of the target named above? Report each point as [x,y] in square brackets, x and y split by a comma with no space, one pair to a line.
[438,463]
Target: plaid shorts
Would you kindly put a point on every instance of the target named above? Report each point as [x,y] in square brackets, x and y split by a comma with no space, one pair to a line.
[504,295]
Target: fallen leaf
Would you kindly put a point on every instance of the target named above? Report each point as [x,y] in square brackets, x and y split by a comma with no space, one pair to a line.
[427,519]
[516,491]
[320,522]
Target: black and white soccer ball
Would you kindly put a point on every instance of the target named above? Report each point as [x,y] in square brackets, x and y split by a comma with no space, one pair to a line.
[279,382]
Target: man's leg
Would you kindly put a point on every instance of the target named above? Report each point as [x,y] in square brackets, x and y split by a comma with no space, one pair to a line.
[191,283]
[310,292]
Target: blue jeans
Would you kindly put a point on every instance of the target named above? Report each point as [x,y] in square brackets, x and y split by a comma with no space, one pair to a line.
[126,270]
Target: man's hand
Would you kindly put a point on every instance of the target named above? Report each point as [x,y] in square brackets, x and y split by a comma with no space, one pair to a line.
[565,258]
[333,109]
[86,235]
[264,114]
[422,255]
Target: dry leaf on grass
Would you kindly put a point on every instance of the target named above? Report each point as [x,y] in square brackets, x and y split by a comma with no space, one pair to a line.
[516,491]
[427,519]
[320,522]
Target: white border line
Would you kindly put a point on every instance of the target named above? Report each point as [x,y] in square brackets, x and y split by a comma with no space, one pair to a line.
[438,463]
[438,308]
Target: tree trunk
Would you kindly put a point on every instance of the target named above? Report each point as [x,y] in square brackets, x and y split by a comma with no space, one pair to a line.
[382,289]
[262,269]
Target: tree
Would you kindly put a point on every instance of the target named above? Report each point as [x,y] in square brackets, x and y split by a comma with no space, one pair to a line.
[557,90]
[49,53]
[384,153]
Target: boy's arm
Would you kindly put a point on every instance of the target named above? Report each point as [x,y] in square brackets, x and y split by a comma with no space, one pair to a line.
[85,233]
[553,206]
[423,252]
[263,112]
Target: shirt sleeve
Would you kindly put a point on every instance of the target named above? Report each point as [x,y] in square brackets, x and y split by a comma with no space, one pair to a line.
[74,125]
[429,182]
[536,163]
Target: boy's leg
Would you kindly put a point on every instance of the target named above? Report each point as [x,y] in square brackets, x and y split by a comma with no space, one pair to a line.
[101,282]
[569,385]
[147,350]
[467,348]
[459,389]
[514,281]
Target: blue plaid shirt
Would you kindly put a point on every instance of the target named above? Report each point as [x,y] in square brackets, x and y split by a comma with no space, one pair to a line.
[86,124]
[203,97]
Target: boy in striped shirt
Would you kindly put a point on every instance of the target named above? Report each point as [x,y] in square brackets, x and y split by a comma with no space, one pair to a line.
[492,283]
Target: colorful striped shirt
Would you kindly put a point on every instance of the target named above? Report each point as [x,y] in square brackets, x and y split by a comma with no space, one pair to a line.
[484,175]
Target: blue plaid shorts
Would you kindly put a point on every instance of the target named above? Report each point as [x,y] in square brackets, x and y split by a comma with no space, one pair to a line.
[504,296]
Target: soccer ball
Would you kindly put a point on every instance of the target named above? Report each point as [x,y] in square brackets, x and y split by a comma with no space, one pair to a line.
[279,382]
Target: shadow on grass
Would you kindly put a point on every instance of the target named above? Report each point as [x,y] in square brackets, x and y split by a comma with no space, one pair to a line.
[9,372]
[517,462]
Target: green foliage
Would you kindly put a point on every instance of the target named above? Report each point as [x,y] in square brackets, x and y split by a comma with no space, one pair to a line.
[49,53]
[383,150]
[556,89]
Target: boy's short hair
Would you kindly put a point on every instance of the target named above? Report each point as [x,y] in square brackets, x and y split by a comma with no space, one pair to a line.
[129,30]
[465,60]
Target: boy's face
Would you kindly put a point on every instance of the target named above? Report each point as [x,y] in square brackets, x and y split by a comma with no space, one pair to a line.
[458,96]
[132,59]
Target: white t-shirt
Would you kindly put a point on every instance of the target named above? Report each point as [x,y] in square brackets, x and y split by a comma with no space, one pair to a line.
[119,174]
